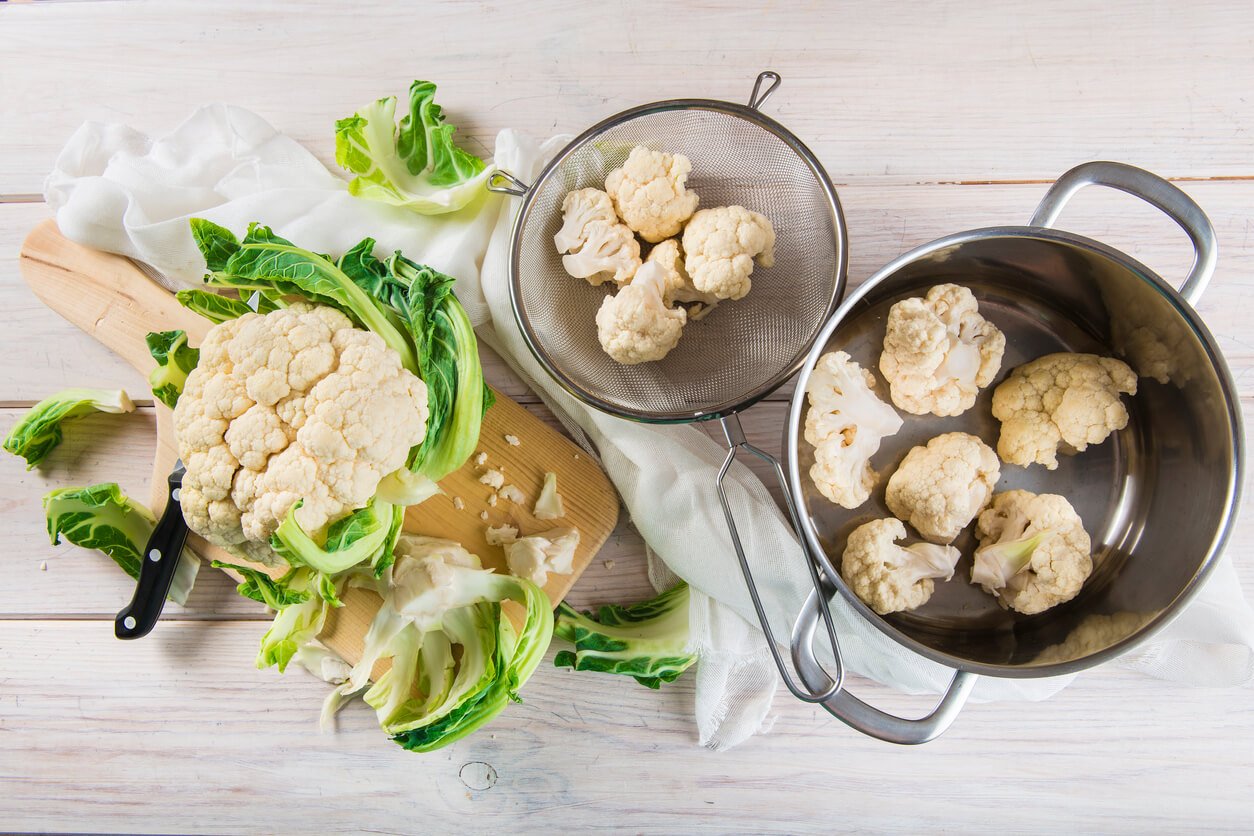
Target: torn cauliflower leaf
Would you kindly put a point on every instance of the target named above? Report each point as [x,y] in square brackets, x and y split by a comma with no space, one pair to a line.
[892,578]
[940,487]
[845,424]
[1060,403]
[1034,552]
[720,246]
[650,193]
[939,352]
[635,325]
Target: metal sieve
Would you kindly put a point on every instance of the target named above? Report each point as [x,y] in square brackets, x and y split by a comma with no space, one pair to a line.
[741,351]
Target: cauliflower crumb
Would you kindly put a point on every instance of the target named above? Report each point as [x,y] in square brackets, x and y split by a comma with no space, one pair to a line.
[649,192]
[483,515]
[511,494]
[43,566]
[939,352]
[940,487]
[549,503]
[891,578]
[1060,403]
[512,441]
[720,246]
[481,458]
[608,564]
[458,503]
[497,535]
[492,500]
[636,326]
[492,478]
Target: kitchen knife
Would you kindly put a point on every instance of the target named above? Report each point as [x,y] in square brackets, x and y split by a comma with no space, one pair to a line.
[157,565]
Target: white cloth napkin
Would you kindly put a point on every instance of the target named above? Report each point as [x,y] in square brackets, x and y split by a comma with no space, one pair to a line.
[118,190]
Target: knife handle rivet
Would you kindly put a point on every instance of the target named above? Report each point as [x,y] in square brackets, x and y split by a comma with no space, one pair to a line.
[129,622]
[174,494]
[154,555]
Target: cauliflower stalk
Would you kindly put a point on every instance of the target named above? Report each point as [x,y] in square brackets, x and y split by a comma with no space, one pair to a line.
[294,411]
[650,195]
[939,352]
[1060,403]
[940,487]
[1034,552]
[891,578]
[635,325]
[845,424]
[721,245]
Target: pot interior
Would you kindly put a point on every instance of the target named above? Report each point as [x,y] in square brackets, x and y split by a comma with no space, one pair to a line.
[1156,497]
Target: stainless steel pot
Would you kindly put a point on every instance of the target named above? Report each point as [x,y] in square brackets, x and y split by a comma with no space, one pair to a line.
[1158,498]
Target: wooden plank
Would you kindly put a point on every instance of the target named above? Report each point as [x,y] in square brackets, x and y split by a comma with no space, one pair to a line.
[952,91]
[180,722]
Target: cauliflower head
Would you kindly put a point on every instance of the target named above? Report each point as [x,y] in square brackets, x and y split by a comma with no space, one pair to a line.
[888,577]
[296,404]
[635,325]
[939,352]
[1060,403]
[1034,552]
[580,209]
[721,245]
[845,424]
[678,286]
[650,193]
[609,252]
[940,487]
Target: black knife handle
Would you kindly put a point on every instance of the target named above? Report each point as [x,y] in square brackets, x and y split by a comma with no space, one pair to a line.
[156,571]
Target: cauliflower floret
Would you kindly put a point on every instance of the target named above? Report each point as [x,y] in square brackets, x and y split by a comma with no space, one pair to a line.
[580,209]
[720,246]
[1060,402]
[533,557]
[650,195]
[610,252]
[635,325]
[845,423]
[1034,551]
[296,404]
[1093,635]
[678,284]
[939,352]
[940,487]
[891,578]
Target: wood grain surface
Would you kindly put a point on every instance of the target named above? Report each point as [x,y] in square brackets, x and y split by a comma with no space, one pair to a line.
[943,117]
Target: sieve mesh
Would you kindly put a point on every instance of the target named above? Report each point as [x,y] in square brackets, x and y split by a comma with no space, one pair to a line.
[741,350]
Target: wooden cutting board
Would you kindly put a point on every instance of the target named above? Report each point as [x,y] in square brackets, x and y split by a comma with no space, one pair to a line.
[110,298]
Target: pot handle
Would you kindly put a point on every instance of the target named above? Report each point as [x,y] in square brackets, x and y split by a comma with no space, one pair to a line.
[857,714]
[1155,191]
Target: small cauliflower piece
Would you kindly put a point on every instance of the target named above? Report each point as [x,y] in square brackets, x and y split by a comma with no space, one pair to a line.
[511,493]
[678,286]
[891,578]
[635,325]
[492,478]
[940,487]
[939,352]
[296,404]
[549,503]
[1060,403]
[512,440]
[533,557]
[1034,552]
[845,424]
[650,193]
[609,253]
[720,246]
[580,209]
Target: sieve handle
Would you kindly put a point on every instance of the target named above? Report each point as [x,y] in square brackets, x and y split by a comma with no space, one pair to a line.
[759,96]
[1155,191]
[502,182]
[865,718]
[736,442]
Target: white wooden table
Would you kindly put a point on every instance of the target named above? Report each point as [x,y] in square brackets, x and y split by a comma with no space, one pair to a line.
[947,117]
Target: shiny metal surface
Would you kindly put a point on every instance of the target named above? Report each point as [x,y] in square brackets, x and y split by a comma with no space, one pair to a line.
[1158,497]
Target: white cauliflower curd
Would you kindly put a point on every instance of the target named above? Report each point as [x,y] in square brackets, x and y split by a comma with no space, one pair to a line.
[677,283]
[940,487]
[635,325]
[845,424]
[581,209]
[1034,552]
[720,246]
[650,193]
[939,352]
[293,405]
[891,578]
[1060,403]
[609,252]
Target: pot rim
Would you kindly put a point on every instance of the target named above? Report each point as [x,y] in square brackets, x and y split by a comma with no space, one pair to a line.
[1235,475]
